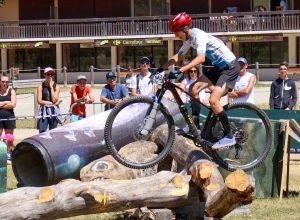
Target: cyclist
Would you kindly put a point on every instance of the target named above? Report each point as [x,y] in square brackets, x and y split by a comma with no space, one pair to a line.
[219,79]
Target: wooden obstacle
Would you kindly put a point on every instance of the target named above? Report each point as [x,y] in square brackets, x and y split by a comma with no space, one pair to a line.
[292,129]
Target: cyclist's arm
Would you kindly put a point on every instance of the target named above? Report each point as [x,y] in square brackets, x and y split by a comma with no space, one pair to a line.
[174,59]
[195,62]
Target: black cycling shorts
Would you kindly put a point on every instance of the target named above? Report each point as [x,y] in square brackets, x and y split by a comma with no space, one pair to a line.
[228,74]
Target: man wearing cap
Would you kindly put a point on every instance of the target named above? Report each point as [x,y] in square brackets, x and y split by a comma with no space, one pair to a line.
[113,93]
[140,84]
[81,93]
[244,87]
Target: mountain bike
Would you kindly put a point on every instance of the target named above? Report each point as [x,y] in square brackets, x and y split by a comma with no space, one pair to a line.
[250,126]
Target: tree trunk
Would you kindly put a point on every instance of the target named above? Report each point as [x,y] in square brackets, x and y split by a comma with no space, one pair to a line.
[221,198]
[71,197]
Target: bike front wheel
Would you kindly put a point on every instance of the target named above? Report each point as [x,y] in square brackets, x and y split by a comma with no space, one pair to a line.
[252,130]
[124,125]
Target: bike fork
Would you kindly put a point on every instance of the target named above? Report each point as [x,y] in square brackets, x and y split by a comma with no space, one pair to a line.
[149,120]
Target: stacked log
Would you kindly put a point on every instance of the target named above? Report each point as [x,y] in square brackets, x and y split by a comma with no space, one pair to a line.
[107,186]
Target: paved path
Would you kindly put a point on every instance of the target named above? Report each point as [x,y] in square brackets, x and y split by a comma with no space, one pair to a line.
[25,107]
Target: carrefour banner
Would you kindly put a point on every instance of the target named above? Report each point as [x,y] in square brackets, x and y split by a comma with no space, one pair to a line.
[24,45]
[129,42]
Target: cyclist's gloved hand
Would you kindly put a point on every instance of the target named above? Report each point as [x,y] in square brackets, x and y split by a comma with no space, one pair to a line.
[175,74]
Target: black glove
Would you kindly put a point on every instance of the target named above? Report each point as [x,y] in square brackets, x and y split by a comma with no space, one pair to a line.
[175,74]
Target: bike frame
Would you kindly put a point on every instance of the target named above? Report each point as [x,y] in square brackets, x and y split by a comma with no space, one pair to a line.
[167,85]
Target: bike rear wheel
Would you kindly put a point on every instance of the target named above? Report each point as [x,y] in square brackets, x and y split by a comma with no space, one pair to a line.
[123,127]
[253,132]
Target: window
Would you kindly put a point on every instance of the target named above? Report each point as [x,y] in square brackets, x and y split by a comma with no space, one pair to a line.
[265,53]
[298,49]
[80,57]
[131,55]
[151,8]
[27,59]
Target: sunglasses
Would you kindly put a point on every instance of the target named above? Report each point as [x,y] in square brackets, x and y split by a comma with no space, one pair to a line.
[112,79]
[283,69]
[176,33]
[193,71]
[145,63]
[49,74]
[4,81]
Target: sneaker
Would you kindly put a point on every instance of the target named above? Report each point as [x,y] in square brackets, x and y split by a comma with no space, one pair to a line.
[185,130]
[9,155]
[224,142]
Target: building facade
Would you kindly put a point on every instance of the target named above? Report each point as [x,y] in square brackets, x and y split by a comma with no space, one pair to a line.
[107,34]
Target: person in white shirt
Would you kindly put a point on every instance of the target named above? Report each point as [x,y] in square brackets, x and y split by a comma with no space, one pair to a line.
[140,84]
[193,75]
[244,86]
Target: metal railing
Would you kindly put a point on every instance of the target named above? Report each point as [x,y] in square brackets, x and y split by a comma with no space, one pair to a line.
[154,25]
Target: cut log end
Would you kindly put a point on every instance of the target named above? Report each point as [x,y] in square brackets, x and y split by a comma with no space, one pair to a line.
[238,180]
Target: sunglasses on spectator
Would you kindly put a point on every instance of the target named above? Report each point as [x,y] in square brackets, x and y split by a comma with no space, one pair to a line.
[283,69]
[49,74]
[193,71]
[4,81]
[145,62]
[112,79]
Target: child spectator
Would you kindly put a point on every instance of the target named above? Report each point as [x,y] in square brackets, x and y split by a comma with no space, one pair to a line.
[81,93]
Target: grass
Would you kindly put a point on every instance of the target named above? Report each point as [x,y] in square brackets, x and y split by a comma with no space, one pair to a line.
[62,89]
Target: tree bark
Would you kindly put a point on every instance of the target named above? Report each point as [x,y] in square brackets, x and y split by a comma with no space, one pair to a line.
[221,198]
[71,197]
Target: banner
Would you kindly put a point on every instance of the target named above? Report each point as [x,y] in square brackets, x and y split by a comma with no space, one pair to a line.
[252,38]
[25,45]
[129,42]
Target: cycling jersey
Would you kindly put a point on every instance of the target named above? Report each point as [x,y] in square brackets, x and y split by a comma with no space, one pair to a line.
[212,47]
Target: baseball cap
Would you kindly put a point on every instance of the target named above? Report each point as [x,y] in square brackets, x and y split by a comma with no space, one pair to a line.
[110,74]
[49,69]
[242,59]
[8,137]
[81,77]
[145,59]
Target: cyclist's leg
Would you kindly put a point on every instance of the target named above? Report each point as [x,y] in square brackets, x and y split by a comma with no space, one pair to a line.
[201,83]
[226,81]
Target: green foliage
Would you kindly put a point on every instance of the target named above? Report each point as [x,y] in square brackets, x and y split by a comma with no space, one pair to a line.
[2,2]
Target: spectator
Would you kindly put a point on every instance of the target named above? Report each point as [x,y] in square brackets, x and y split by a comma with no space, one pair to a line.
[283,5]
[193,74]
[152,63]
[113,93]
[48,99]
[128,78]
[283,93]
[81,93]
[8,102]
[244,86]
[8,139]
[225,16]
[140,84]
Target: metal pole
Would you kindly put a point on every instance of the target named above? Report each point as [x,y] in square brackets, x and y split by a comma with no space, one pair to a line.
[36,107]
[257,71]
[92,75]
[200,69]
[118,73]
[38,73]
[65,76]
[12,73]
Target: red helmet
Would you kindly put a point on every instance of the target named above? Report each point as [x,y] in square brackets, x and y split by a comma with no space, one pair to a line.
[178,21]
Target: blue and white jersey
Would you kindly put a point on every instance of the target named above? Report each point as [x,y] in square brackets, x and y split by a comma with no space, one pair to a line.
[212,47]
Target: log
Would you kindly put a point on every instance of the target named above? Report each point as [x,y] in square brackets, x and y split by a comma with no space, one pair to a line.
[71,197]
[221,198]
